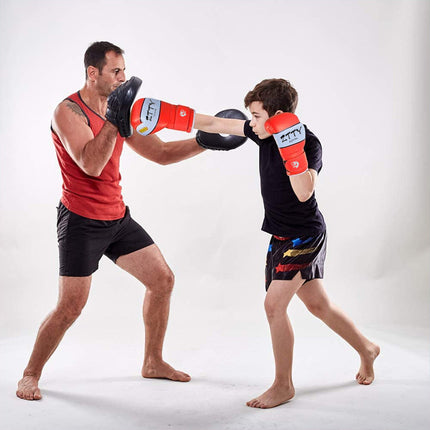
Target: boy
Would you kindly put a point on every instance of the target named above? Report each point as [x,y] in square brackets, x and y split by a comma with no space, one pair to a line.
[290,160]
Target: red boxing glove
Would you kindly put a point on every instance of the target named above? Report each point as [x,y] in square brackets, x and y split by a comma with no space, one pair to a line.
[151,115]
[290,135]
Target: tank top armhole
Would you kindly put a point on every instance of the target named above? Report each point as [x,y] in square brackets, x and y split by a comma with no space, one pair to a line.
[80,107]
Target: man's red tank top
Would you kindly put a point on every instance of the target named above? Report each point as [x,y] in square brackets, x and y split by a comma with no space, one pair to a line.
[91,197]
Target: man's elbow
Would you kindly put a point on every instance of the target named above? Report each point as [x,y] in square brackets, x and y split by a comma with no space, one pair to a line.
[91,170]
[93,173]
[163,160]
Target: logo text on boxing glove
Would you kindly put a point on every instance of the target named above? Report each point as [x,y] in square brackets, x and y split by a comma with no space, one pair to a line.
[290,136]
[149,115]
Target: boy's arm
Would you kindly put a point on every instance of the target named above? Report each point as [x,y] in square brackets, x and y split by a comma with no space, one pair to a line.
[148,116]
[304,184]
[213,124]
[290,134]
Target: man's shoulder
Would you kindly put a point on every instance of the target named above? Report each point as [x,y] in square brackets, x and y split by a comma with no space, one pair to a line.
[68,110]
[69,105]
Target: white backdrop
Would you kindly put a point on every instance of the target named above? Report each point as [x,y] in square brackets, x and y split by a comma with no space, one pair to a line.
[361,69]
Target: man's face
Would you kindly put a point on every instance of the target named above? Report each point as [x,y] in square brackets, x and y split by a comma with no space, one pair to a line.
[112,74]
[259,117]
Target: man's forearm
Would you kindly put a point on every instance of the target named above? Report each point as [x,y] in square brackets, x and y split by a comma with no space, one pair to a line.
[98,151]
[179,150]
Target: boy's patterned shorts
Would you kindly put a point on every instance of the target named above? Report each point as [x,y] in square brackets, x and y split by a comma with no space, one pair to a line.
[287,255]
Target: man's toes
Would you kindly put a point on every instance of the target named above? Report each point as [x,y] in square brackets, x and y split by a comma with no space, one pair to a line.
[255,403]
[181,376]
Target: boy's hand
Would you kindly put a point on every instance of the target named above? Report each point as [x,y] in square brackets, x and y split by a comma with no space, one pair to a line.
[151,115]
[289,134]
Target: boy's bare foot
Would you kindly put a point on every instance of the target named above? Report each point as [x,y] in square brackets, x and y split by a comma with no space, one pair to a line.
[164,371]
[28,388]
[366,375]
[276,395]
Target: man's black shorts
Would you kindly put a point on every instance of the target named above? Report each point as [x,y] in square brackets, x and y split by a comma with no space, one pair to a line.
[287,256]
[83,241]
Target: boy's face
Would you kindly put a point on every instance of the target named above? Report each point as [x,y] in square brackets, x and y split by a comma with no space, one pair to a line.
[259,117]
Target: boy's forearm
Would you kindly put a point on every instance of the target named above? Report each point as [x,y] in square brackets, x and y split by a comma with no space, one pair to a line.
[213,124]
[204,122]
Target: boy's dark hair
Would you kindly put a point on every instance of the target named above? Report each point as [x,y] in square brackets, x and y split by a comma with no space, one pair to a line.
[95,55]
[275,94]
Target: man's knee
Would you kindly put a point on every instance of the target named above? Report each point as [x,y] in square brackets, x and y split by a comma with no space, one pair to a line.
[163,283]
[68,313]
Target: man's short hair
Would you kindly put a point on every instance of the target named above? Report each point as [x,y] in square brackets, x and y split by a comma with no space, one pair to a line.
[95,55]
[275,94]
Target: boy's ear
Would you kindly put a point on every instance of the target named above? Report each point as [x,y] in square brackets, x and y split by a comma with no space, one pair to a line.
[278,112]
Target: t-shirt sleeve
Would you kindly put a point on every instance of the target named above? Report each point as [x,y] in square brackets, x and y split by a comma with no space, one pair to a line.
[247,130]
[313,151]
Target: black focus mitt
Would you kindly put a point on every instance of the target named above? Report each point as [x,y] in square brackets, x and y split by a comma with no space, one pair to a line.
[222,143]
[119,104]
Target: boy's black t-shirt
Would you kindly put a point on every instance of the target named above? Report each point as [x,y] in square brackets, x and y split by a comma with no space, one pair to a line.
[284,214]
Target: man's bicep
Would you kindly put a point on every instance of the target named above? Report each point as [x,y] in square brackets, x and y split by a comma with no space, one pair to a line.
[71,126]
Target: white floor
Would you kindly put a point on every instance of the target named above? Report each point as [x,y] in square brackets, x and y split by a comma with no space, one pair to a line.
[92,382]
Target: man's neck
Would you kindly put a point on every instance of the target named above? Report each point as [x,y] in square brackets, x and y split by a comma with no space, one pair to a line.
[93,99]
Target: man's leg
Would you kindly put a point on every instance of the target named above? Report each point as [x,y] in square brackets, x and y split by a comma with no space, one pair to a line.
[73,294]
[150,268]
[277,299]
[316,300]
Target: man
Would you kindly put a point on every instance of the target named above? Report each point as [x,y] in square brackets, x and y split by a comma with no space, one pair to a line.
[88,130]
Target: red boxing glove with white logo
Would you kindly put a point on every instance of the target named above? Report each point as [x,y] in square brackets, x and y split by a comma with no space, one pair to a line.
[290,136]
[151,115]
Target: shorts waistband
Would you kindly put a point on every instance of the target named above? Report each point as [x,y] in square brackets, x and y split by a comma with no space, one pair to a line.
[281,237]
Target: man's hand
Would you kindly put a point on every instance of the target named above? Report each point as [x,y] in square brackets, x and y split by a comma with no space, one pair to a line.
[119,104]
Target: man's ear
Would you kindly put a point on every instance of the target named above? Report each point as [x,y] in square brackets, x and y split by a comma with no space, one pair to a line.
[92,73]
[278,112]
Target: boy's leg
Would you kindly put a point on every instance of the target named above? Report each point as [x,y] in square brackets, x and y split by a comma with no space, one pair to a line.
[73,294]
[278,297]
[316,300]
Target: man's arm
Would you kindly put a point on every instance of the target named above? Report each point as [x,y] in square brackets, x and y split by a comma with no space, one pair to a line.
[90,153]
[304,185]
[154,149]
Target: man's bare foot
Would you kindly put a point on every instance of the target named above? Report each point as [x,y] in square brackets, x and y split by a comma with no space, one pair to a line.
[28,388]
[161,369]
[365,375]
[276,395]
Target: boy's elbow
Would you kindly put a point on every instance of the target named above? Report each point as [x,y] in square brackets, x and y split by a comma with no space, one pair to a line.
[304,196]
